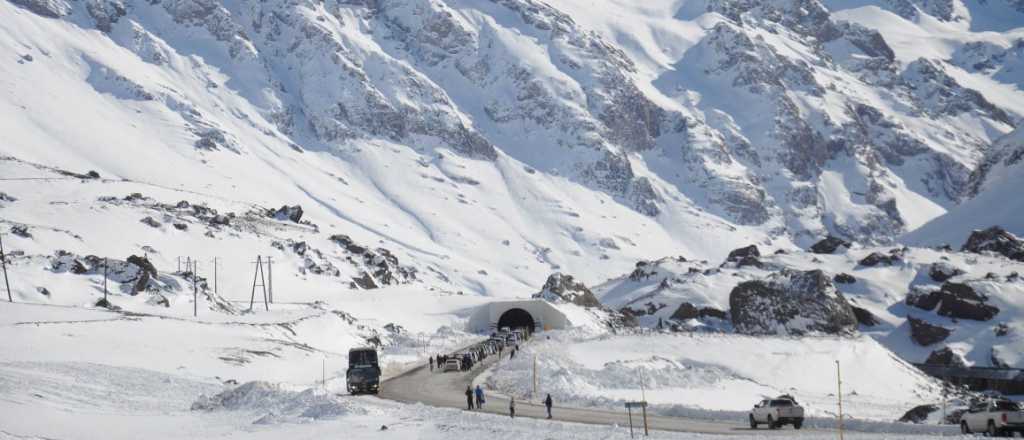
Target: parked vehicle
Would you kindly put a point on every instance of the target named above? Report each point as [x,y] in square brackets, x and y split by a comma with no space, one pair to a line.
[363,374]
[453,364]
[782,410]
[994,417]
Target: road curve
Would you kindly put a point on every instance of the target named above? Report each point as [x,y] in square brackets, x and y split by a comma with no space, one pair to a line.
[420,385]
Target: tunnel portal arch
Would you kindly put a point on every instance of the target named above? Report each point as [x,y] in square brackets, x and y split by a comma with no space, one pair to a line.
[541,314]
[516,318]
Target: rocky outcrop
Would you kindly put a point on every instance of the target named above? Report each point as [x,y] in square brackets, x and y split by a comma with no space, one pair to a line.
[791,302]
[995,239]
[20,231]
[961,301]
[844,278]
[293,213]
[564,288]
[829,245]
[46,8]
[381,267]
[942,271]
[918,414]
[875,258]
[744,252]
[865,317]
[946,357]
[925,334]
[687,311]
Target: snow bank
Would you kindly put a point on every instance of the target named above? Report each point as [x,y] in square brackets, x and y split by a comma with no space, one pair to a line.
[278,405]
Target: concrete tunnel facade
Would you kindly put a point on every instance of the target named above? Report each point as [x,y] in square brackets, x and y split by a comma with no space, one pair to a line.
[539,314]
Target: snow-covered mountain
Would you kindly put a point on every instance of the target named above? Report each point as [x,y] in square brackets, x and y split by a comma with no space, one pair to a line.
[517,137]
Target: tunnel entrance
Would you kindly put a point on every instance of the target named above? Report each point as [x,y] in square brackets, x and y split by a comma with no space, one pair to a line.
[516,318]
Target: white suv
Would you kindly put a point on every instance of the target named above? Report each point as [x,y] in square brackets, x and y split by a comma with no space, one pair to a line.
[782,410]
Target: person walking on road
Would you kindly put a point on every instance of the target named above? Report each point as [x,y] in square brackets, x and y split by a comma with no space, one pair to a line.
[469,398]
[547,403]
[431,362]
[479,397]
[512,407]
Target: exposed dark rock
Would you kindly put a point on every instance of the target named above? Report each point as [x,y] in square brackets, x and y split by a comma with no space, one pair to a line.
[918,414]
[687,311]
[106,304]
[876,258]
[960,301]
[1001,330]
[180,226]
[995,239]
[46,8]
[791,302]
[864,317]
[92,175]
[996,361]
[947,357]
[149,221]
[562,287]
[749,261]
[739,254]
[924,333]
[385,267]
[844,278]
[43,291]
[923,298]
[4,197]
[829,245]
[183,205]
[220,220]
[942,271]
[21,231]
[293,213]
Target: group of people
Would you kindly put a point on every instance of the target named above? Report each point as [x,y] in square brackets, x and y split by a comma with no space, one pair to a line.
[476,397]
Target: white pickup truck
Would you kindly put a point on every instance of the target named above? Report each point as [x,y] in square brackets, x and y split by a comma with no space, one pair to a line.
[995,417]
[782,410]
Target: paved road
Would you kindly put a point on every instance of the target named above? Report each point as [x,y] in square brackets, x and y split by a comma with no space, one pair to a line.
[447,390]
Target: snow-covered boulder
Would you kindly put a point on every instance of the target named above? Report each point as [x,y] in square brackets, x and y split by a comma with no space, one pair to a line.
[564,288]
[946,356]
[829,245]
[791,302]
[924,333]
[942,271]
[995,239]
[293,213]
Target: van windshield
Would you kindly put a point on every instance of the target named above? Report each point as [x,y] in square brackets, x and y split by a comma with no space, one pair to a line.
[362,358]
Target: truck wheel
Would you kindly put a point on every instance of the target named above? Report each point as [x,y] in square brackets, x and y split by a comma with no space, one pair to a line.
[964,429]
[753,423]
[798,424]
[771,423]
[992,431]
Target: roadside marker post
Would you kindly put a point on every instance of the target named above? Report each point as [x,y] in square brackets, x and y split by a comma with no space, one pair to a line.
[629,412]
[839,387]
[3,262]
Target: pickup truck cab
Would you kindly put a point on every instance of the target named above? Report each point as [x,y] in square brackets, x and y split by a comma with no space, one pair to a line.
[775,413]
[994,417]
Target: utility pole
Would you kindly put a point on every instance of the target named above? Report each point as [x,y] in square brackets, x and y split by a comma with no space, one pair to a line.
[270,279]
[179,263]
[105,282]
[535,375]
[3,262]
[839,387]
[214,275]
[263,284]
[195,291]
[643,401]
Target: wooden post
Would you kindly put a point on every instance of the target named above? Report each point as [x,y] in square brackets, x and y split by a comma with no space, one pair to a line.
[3,262]
[839,386]
[535,375]
[644,409]
[214,275]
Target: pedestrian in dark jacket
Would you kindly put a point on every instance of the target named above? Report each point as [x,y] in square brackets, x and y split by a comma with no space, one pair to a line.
[469,398]
[547,403]
[512,407]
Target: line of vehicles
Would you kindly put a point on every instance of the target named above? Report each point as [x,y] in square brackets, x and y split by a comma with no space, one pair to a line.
[465,359]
